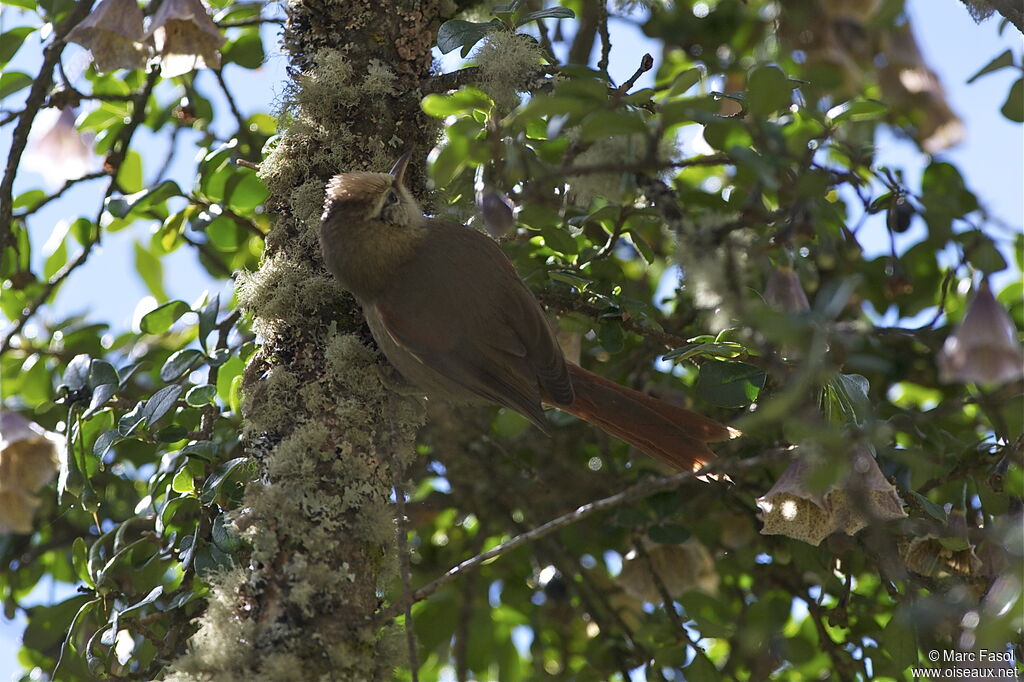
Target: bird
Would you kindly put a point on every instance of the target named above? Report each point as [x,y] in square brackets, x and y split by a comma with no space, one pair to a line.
[448,310]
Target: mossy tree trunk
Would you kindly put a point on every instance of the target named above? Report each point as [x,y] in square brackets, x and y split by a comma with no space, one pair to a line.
[321,428]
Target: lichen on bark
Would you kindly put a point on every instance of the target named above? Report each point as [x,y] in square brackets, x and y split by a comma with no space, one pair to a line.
[321,427]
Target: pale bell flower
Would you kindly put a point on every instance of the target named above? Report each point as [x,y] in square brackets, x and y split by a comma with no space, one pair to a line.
[496,211]
[113,33]
[782,291]
[984,347]
[28,461]
[56,150]
[185,37]
[680,568]
[861,497]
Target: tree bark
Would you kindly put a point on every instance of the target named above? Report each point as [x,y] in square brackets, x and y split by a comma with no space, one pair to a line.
[320,427]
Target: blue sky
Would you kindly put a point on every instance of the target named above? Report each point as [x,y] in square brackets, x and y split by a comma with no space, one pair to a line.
[991,159]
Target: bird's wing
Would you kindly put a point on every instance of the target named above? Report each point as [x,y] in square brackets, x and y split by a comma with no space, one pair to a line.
[461,309]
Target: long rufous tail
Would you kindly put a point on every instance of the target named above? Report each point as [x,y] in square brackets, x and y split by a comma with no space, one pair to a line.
[668,433]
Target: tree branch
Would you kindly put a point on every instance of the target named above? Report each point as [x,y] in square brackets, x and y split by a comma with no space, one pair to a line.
[113,164]
[36,97]
[639,491]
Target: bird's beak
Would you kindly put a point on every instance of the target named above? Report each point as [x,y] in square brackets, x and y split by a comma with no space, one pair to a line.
[398,170]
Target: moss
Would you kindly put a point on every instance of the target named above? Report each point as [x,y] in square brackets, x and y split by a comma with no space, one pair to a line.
[508,62]
[224,641]
[285,290]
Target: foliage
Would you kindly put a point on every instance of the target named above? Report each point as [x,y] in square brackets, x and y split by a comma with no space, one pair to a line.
[779,172]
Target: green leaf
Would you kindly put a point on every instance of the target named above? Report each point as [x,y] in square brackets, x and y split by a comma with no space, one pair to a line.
[602,124]
[235,395]
[729,384]
[247,51]
[768,90]
[151,270]
[701,669]
[459,102]
[1002,61]
[11,41]
[76,376]
[851,392]
[135,609]
[138,202]
[456,33]
[13,81]
[245,191]
[160,319]
[80,560]
[100,395]
[934,510]
[68,651]
[669,534]
[162,402]
[1013,109]
[611,336]
[129,175]
[899,641]
[208,319]
[549,13]
[684,81]
[105,441]
[131,420]
[224,535]
[858,110]
[172,434]
[727,349]
[180,362]
[102,372]
[198,396]
[213,484]
[508,7]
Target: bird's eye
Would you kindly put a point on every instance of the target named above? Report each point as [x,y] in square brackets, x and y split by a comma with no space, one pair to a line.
[392,199]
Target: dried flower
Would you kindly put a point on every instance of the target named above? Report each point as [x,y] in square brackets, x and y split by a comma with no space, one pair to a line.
[113,33]
[984,347]
[681,568]
[860,498]
[54,136]
[185,37]
[783,292]
[28,460]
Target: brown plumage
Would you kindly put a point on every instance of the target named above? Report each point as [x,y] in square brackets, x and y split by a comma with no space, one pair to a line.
[448,310]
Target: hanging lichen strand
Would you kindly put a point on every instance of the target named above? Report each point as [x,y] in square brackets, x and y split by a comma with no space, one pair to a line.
[321,428]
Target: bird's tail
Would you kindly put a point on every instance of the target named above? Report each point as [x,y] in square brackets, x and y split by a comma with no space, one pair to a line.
[668,433]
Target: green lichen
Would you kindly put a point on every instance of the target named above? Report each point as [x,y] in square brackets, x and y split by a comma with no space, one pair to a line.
[508,62]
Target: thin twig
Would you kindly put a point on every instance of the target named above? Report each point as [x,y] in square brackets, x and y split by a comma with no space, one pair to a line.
[243,128]
[646,64]
[638,167]
[210,413]
[606,38]
[68,184]
[241,221]
[249,22]
[9,116]
[210,254]
[166,166]
[639,491]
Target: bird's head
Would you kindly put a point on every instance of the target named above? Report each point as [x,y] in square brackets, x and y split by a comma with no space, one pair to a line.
[380,197]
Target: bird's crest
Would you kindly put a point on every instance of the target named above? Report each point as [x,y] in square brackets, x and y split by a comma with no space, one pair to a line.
[357,186]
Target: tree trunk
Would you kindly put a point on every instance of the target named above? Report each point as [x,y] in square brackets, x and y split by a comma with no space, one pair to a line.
[320,427]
